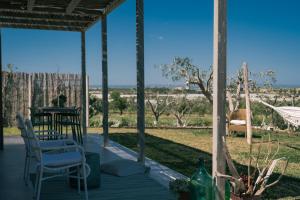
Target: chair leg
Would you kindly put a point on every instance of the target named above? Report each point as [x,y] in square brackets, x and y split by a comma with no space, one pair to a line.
[39,184]
[28,168]
[68,176]
[78,179]
[84,181]
[25,169]
[37,174]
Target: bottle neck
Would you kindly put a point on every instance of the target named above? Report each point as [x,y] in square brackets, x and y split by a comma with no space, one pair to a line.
[201,167]
[201,163]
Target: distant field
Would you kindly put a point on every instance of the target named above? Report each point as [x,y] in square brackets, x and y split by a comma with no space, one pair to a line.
[129,118]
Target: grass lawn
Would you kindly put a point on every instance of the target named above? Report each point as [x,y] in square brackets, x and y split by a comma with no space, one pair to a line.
[180,150]
[164,120]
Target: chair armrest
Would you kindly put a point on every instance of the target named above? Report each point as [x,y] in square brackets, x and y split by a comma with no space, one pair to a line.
[67,147]
[53,133]
[62,142]
[46,131]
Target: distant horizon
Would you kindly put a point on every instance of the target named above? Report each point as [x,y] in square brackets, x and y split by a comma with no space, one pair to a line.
[177,85]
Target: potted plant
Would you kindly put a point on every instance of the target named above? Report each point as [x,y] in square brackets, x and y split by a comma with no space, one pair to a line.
[181,188]
[252,185]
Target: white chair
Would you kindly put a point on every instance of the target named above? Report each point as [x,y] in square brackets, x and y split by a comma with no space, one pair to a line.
[22,128]
[57,160]
[43,144]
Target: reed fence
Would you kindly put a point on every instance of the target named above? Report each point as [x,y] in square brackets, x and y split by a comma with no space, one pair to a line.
[22,91]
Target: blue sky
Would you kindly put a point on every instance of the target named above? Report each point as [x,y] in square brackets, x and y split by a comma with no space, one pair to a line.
[264,33]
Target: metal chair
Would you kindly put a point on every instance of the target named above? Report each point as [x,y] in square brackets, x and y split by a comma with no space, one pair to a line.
[59,161]
[69,120]
[44,123]
[29,155]
[22,128]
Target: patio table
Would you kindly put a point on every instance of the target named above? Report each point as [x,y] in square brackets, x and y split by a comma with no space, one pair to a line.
[59,117]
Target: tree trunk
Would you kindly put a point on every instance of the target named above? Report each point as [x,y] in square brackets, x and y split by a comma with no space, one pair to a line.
[156,120]
[179,121]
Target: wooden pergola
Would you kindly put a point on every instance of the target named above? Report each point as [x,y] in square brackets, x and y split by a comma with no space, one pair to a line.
[79,16]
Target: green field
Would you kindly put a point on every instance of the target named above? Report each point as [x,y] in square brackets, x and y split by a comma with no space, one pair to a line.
[129,119]
[180,150]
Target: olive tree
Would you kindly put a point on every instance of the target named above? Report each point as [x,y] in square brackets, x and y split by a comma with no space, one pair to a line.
[118,102]
[95,106]
[181,108]
[158,105]
[182,68]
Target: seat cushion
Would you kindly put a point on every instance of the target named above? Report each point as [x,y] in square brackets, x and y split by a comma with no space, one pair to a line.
[238,122]
[123,167]
[61,159]
[51,143]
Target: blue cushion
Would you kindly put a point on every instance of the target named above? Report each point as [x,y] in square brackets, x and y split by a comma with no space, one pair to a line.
[61,159]
[123,167]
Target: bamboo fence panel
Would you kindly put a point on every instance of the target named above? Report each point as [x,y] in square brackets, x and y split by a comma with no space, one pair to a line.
[18,97]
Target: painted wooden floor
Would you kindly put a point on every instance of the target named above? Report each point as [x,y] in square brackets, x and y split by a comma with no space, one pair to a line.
[12,186]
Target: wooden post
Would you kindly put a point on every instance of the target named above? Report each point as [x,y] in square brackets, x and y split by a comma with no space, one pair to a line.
[29,95]
[87,105]
[219,93]
[140,78]
[1,103]
[248,108]
[104,80]
[83,84]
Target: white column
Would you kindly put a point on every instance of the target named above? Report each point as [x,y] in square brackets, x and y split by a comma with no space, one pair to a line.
[219,93]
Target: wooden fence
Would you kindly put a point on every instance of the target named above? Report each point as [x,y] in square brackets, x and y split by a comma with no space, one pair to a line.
[22,91]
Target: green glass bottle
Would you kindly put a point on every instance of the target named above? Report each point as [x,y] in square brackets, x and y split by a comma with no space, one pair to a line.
[227,190]
[201,184]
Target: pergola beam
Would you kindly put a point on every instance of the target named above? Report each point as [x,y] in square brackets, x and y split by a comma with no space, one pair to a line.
[30,4]
[112,6]
[72,5]
[140,79]
[104,80]
[42,22]
[40,27]
[43,19]
[219,90]
[46,14]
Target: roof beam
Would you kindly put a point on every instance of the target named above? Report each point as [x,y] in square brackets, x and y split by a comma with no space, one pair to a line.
[72,5]
[106,11]
[41,27]
[30,4]
[43,22]
[45,15]
[112,6]
[39,19]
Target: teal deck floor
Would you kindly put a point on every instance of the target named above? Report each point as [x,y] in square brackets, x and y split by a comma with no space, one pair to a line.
[12,186]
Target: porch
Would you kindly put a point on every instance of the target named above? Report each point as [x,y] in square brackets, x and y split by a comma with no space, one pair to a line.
[153,185]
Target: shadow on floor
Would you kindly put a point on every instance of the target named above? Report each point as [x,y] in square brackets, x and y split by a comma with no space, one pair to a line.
[184,160]
[12,186]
